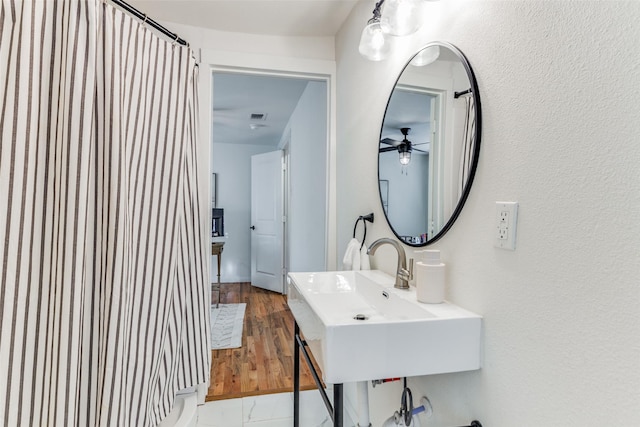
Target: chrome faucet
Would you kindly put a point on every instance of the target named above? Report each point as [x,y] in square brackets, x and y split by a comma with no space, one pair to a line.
[402,274]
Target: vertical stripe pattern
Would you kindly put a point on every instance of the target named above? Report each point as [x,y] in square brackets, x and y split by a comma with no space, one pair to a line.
[468,143]
[103,298]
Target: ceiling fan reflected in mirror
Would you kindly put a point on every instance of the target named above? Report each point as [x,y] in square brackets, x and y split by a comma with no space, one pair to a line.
[404,147]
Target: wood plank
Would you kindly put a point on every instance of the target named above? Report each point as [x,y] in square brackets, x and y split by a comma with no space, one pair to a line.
[264,363]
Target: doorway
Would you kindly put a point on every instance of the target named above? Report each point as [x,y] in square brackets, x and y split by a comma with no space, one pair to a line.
[256,112]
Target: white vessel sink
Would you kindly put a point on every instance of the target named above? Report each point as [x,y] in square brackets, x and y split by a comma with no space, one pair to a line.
[399,336]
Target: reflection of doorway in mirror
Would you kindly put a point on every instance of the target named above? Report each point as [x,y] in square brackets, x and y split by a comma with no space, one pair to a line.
[415,187]
[384,195]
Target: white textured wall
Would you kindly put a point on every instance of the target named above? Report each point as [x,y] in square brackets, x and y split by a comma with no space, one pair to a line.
[560,84]
[308,180]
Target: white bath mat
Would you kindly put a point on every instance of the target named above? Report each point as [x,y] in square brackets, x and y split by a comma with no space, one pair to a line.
[226,326]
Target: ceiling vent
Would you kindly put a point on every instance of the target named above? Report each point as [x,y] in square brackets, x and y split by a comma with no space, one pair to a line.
[258,116]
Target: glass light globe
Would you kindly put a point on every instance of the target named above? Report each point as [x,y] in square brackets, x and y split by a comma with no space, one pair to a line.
[373,44]
[426,56]
[405,157]
[401,17]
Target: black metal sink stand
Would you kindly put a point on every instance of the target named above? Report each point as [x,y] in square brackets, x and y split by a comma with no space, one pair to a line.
[335,410]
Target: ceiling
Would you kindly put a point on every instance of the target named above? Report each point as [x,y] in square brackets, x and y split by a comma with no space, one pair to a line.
[267,17]
[410,109]
[237,96]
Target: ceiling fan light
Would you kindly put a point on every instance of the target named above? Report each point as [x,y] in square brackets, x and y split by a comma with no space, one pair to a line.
[373,44]
[405,157]
[401,17]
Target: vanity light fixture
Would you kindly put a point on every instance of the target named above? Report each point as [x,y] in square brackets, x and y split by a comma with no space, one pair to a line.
[373,44]
[399,18]
[426,56]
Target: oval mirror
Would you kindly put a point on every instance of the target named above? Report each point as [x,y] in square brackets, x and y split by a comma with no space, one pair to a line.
[429,144]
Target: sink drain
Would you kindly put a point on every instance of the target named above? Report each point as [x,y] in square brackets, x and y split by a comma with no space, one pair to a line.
[360,317]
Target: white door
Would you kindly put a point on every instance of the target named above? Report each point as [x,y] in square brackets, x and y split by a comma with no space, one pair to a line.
[267,221]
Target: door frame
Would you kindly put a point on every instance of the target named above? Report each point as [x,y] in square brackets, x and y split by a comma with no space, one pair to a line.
[286,207]
[308,69]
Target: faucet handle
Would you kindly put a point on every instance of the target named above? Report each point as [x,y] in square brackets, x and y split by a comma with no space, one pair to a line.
[410,268]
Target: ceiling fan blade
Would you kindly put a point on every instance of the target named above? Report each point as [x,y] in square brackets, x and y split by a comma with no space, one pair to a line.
[421,151]
[384,150]
[390,141]
[420,143]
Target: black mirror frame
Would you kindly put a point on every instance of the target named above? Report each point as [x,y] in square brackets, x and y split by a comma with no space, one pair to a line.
[476,151]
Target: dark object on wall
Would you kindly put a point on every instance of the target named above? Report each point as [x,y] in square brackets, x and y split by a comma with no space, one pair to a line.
[364,219]
[217,222]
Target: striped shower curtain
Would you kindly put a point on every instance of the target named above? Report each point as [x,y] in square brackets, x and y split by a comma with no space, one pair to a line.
[103,300]
[468,143]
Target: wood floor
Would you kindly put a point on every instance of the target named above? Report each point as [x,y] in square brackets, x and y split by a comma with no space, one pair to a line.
[264,363]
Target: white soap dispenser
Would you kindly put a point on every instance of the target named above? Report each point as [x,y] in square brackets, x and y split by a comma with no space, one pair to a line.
[430,277]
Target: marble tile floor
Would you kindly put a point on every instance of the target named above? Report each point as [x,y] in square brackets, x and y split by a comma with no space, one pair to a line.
[269,410]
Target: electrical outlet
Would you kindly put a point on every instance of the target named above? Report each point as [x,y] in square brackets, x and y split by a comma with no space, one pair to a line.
[503,233]
[506,220]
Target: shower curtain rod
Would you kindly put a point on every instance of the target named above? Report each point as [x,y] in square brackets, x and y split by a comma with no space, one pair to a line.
[459,94]
[145,19]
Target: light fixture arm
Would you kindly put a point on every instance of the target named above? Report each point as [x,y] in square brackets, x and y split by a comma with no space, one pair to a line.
[377,13]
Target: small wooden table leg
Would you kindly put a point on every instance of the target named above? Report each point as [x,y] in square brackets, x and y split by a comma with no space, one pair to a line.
[216,249]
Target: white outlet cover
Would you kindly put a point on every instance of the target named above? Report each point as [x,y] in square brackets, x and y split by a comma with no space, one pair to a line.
[505,225]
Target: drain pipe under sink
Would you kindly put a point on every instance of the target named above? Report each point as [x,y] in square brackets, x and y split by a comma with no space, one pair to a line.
[362,388]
